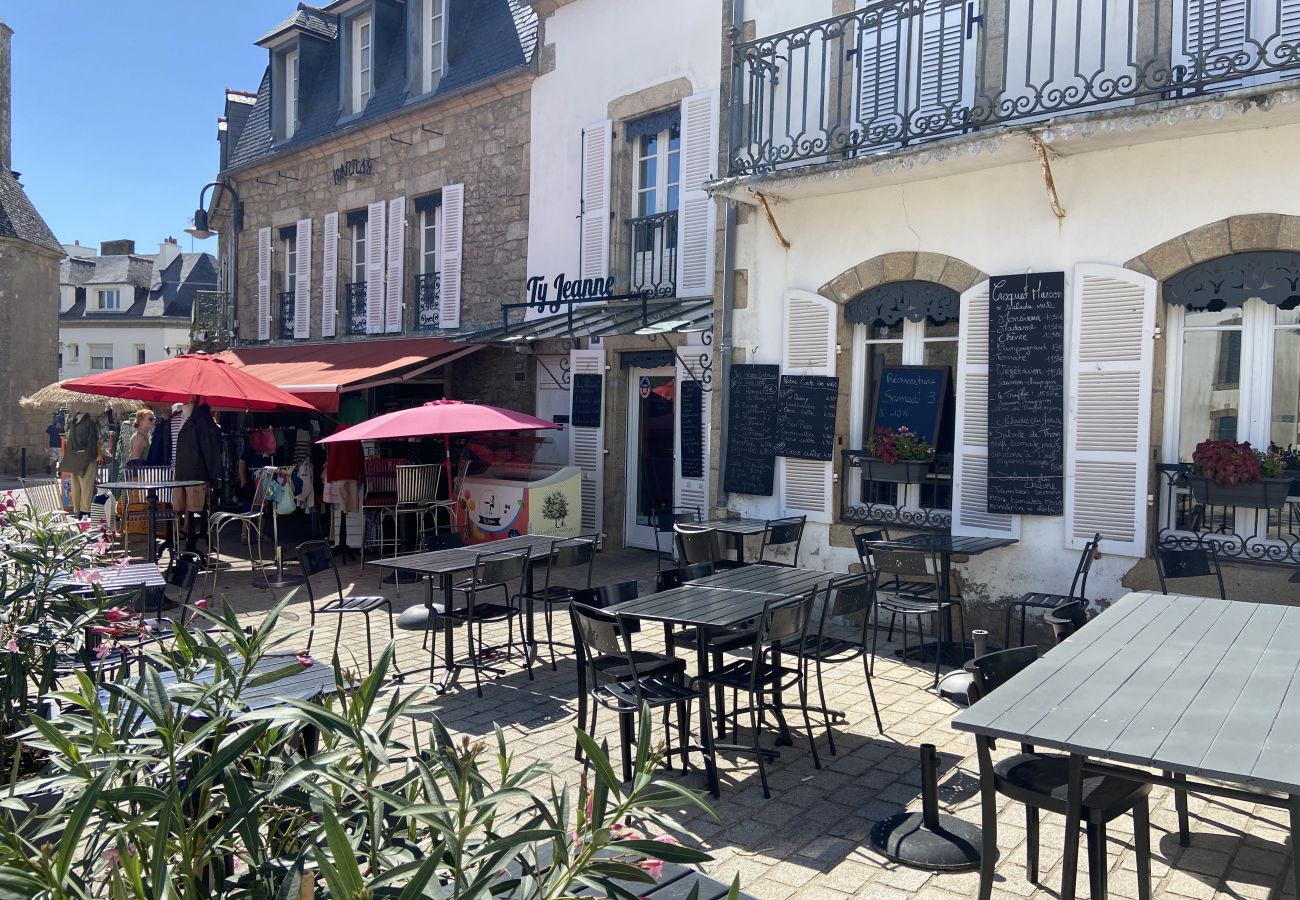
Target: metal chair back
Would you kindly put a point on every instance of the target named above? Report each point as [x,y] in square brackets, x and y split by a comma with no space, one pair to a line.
[992,670]
[314,558]
[664,521]
[904,564]
[1190,562]
[416,485]
[598,635]
[45,495]
[782,533]
[863,537]
[611,594]
[572,553]
[1079,583]
[380,476]
[183,574]
[446,540]
[501,566]
[851,596]
[150,475]
[1066,619]
[784,619]
[695,545]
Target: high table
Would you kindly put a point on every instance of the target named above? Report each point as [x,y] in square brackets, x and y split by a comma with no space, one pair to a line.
[151,489]
[736,529]
[1193,686]
[445,564]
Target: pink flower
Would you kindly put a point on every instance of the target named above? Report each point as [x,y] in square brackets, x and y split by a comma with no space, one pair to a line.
[652,867]
[93,578]
[102,650]
[305,660]
[111,630]
[79,575]
[11,646]
[116,614]
[122,563]
[201,603]
[100,548]
[112,857]
[668,839]
[83,525]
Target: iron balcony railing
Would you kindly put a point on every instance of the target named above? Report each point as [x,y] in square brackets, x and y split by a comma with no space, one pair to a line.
[652,261]
[428,299]
[918,498]
[1240,533]
[903,71]
[284,315]
[354,300]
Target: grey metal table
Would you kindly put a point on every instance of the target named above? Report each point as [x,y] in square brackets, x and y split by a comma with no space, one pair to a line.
[1192,686]
[737,530]
[444,564]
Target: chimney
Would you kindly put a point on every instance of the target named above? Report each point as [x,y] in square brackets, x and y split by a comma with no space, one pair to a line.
[168,250]
[6,135]
[116,248]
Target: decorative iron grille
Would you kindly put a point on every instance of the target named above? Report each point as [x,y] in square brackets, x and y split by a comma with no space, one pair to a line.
[285,315]
[354,299]
[923,505]
[428,300]
[652,263]
[210,328]
[1239,533]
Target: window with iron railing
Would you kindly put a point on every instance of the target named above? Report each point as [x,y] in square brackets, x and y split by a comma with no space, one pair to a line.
[354,307]
[285,315]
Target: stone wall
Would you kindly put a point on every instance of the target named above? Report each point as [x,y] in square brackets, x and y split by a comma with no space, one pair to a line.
[480,141]
[29,290]
[488,376]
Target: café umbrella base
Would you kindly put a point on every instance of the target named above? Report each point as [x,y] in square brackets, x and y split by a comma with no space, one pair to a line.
[929,839]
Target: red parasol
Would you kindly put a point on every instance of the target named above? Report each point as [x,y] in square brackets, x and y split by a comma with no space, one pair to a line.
[185,377]
[440,417]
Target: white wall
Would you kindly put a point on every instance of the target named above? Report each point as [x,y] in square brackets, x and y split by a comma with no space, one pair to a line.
[124,339]
[1119,203]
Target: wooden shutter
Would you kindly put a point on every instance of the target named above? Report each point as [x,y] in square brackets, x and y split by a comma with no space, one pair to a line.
[264,284]
[451,233]
[594,258]
[1212,32]
[697,220]
[694,374]
[1108,408]
[375,267]
[329,275]
[587,445]
[393,275]
[970,515]
[879,103]
[302,281]
[806,486]
[943,85]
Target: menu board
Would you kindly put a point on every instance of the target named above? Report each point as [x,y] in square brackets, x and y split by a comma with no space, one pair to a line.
[911,397]
[1026,411]
[751,429]
[805,418]
[692,429]
[586,400]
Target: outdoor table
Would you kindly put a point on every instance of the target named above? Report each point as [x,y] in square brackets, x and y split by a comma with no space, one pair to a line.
[737,529]
[1190,686]
[120,579]
[151,489]
[445,564]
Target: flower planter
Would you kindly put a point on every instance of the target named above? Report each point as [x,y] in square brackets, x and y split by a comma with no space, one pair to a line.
[1265,493]
[905,471]
[1294,475]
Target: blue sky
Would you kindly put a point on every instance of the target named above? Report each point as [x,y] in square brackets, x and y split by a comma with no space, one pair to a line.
[115,107]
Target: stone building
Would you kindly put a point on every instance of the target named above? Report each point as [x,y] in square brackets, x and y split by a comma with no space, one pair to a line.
[29,286]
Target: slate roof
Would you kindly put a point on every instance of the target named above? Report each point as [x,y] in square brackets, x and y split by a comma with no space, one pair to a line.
[134,270]
[486,38]
[19,219]
[159,292]
[308,19]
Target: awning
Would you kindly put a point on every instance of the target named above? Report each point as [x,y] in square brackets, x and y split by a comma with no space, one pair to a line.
[604,320]
[319,373]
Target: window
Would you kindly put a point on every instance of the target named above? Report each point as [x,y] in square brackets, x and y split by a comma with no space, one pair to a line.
[359,253]
[658,171]
[435,43]
[140,358]
[290,261]
[101,357]
[111,299]
[362,58]
[290,93]
[430,222]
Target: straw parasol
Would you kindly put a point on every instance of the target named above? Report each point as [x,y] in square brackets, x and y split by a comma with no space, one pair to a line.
[54,397]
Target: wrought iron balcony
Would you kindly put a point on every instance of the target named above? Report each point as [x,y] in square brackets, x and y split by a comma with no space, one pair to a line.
[284,315]
[210,329]
[1246,533]
[652,262]
[876,494]
[354,306]
[899,72]
[428,299]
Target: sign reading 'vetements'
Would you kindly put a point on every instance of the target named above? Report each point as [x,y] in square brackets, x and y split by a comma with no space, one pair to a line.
[1026,411]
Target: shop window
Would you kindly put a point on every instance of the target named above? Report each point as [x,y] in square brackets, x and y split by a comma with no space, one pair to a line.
[140,356]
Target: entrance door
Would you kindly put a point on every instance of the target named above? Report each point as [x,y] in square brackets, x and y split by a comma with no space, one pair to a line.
[651,423]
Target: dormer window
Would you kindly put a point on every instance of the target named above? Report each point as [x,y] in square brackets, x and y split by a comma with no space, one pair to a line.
[110,300]
[435,43]
[290,93]
[362,62]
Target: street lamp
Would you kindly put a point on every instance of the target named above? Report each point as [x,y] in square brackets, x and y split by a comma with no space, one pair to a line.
[200,229]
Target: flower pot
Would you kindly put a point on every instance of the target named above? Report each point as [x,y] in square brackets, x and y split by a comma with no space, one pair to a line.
[905,471]
[1265,493]
[1294,474]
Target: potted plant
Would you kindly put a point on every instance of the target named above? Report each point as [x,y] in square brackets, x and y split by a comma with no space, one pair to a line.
[1232,473]
[899,456]
[1290,457]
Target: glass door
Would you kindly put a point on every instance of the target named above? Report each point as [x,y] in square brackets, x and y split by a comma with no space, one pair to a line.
[651,424]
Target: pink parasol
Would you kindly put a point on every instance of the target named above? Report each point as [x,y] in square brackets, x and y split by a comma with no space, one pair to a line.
[439,417]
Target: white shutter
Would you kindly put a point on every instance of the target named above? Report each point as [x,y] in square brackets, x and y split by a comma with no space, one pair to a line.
[697,220]
[594,253]
[943,86]
[302,281]
[1108,408]
[329,276]
[1212,32]
[451,233]
[264,284]
[375,267]
[806,486]
[587,445]
[393,276]
[879,103]
[692,362]
[923,71]
[970,515]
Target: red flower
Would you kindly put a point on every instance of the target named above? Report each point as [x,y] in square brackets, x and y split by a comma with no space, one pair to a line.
[83,525]
[305,660]
[116,614]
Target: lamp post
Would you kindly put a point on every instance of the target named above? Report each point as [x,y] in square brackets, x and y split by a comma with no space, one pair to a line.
[202,231]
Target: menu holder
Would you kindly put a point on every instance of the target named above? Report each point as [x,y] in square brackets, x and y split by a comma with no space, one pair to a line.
[692,435]
[586,400]
[805,421]
[753,392]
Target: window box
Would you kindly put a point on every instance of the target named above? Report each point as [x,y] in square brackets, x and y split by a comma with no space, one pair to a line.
[905,471]
[1266,493]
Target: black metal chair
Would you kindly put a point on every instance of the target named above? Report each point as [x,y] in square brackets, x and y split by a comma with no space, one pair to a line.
[906,567]
[762,675]
[782,533]
[1188,562]
[424,616]
[1066,620]
[848,598]
[663,520]
[1040,780]
[572,555]
[612,676]
[1039,600]
[500,570]
[672,578]
[317,557]
[701,545]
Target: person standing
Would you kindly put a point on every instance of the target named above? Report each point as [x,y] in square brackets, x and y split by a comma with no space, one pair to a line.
[80,461]
[198,458]
[55,433]
[160,445]
[142,429]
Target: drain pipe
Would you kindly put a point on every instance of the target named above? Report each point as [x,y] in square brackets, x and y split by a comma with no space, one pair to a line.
[721,383]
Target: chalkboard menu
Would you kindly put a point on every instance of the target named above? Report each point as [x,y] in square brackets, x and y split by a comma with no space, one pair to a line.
[751,429]
[911,397]
[586,400]
[692,429]
[1027,394]
[805,418]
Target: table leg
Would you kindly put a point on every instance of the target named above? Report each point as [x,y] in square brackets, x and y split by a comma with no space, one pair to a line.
[988,817]
[738,544]
[1293,806]
[530,633]
[153,526]
[1073,814]
[448,642]
[783,738]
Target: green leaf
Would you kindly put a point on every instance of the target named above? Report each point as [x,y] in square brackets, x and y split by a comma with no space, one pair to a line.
[291,885]
[229,751]
[346,879]
[16,885]
[733,893]
[76,824]
[674,853]
[599,759]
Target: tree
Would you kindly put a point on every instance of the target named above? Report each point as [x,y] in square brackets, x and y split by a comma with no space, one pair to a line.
[556,508]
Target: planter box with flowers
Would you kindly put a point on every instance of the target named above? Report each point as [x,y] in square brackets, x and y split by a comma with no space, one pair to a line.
[1232,473]
[897,456]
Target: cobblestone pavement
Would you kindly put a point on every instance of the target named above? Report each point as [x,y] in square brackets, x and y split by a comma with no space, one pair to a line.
[810,839]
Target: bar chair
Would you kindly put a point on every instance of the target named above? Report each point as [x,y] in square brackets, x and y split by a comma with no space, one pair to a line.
[782,533]
[908,566]
[251,522]
[416,492]
[317,557]
[1039,600]
[500,570]
[135,503]
[1188,562]
[379,477]
[452,505]
[575,555]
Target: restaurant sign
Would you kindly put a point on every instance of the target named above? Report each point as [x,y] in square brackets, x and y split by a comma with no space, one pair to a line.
[566,290]
[359,166]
